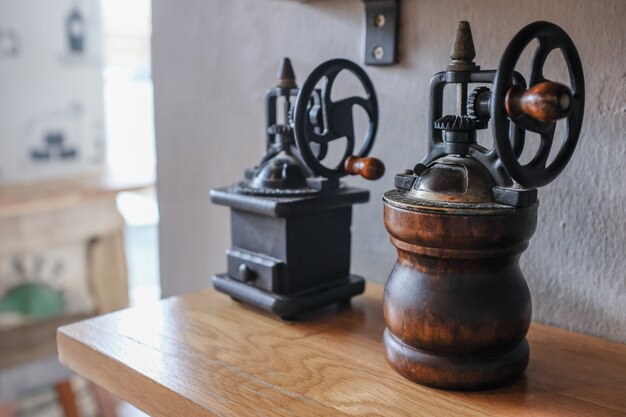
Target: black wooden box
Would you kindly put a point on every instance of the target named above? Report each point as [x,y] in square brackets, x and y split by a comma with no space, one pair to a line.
[290,255]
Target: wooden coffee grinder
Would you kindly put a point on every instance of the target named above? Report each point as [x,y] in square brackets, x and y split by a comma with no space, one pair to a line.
[456,305]
[291,215]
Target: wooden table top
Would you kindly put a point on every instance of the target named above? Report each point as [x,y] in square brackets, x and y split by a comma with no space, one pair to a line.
[203,354]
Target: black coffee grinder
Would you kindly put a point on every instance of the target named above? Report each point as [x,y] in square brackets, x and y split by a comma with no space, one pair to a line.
[291,215]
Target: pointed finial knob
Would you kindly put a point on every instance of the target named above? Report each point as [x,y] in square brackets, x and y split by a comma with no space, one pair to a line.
[286,77]
[463,52]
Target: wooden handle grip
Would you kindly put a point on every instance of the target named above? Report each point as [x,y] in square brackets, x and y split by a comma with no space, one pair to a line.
[545,101]
[368,168]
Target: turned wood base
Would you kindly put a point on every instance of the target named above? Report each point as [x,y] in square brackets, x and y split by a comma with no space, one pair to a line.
[457,307]
[457,373]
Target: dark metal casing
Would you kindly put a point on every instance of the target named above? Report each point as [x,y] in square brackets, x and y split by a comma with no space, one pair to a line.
[290,255]
[291,217]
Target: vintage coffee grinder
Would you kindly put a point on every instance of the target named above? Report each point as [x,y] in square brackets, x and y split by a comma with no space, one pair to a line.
[456,305]
[291,216]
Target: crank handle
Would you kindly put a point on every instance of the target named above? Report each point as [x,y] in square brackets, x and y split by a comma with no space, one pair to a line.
[546,101]
[368,168]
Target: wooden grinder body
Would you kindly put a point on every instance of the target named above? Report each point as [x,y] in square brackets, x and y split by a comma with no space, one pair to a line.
[456,304]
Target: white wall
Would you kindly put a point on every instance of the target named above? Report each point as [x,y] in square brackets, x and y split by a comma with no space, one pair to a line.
[213,61]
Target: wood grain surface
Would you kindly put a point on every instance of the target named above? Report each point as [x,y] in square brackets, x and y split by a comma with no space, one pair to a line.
[205,355]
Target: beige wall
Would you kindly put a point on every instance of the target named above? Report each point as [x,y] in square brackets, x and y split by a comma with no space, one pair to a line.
[213,61]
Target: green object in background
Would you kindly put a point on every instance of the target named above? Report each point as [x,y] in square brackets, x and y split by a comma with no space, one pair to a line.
[36,301]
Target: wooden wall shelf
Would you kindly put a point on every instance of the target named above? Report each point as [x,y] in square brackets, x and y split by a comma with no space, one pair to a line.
[203,354]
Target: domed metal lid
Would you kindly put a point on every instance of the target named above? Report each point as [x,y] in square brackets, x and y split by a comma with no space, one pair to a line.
[283,171]
[454,179]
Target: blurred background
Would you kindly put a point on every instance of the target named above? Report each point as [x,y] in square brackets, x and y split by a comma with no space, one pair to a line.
[78,211]
[81,232]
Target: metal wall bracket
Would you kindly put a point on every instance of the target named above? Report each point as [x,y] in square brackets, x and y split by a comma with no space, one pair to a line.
[381,32]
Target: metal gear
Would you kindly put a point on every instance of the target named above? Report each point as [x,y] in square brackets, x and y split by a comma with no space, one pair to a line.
[471,103]
[457,123]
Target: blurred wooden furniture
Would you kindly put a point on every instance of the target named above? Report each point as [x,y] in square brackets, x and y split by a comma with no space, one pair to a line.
[204,354]
[65,393]
[37,217]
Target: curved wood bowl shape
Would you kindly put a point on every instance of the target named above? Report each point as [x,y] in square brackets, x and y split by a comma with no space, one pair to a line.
[456,305]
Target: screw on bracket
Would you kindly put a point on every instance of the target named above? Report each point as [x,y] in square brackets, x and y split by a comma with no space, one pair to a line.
[381,32]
